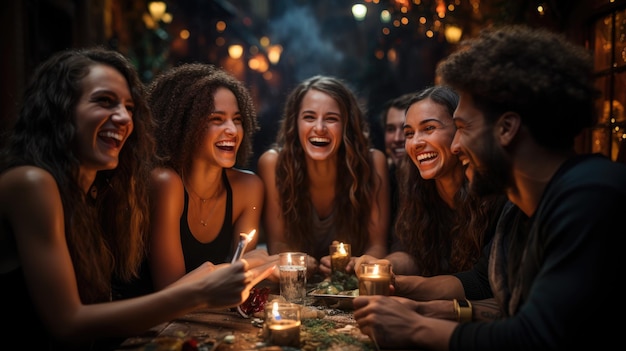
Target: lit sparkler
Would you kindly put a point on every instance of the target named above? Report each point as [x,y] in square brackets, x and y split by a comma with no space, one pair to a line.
[244,239]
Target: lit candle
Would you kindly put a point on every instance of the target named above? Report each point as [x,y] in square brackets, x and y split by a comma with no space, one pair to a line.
[374,279]
[244,239]
[283,325]
[292,268]
[339,256]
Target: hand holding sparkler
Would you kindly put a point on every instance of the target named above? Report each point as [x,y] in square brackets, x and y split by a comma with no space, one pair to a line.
[244,239]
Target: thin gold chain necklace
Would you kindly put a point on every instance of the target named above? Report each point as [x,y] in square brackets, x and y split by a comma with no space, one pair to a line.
[203,201]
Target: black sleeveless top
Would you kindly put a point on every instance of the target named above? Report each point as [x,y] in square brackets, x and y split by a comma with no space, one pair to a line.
[217,251]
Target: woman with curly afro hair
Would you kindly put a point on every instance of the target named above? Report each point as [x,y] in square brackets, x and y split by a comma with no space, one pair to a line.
[203,195]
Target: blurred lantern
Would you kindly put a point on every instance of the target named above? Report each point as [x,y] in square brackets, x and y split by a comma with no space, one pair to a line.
[273,53]
[453,33]
[157,10]
[235,51]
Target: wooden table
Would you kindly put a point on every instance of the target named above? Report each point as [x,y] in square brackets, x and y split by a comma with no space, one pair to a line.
[210,327]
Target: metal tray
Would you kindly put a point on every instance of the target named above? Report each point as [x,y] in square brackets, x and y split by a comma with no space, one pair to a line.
[342,302]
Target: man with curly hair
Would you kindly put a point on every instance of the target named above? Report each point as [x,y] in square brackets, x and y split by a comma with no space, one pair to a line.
[525,95]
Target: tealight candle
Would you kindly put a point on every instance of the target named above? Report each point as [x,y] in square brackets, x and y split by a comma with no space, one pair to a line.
[340,254]
[282,324]
[374,279]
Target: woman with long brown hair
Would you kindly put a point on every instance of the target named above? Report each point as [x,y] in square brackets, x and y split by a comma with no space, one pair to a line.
[323,180]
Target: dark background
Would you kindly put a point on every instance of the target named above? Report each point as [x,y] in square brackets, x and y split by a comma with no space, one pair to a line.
[317,36]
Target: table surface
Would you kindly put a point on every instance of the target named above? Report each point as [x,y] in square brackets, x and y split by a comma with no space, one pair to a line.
[335,330]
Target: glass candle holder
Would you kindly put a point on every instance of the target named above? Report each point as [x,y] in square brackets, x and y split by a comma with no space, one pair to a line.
[282,324]
[292,270]
[340,254]
[374,278]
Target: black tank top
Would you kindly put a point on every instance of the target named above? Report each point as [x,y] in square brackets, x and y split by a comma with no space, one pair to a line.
[217,251]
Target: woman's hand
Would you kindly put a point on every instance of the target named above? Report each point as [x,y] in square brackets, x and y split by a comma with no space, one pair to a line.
[325,266]
[312,266]
[224,285]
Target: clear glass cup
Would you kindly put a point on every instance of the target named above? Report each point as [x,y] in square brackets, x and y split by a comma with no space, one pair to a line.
[292,269]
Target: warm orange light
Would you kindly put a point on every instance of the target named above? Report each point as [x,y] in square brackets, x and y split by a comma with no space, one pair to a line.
[250,235]
[273,53]
[235,51]
[453,34]
[157,9]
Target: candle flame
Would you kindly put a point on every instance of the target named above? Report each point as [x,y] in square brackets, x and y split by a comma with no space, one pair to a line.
[289,259]
[275,311]
[247,237]
[342,250]
[375,270]
[251,235]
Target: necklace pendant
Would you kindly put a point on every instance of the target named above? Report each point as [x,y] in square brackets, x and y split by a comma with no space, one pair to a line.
[203,223]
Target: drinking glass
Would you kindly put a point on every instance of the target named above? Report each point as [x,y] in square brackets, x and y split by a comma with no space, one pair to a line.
[292,269]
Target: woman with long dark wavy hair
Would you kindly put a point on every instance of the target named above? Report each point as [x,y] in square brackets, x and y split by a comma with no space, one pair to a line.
[323,180]
[75,213]
[442,227]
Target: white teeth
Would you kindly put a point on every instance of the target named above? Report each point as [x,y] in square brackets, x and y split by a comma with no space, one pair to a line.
[465,162]
[400,151]
[109,134]
[319,140]
[424,156]
[225,143]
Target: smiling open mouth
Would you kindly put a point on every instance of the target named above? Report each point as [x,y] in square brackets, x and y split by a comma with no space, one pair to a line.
[226,145]
[111,138]
[427,156]
[317,141]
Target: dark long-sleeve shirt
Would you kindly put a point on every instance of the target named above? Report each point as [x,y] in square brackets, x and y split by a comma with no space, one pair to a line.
[560,269]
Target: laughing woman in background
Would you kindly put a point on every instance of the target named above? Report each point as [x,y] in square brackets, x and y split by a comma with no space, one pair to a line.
[323,180]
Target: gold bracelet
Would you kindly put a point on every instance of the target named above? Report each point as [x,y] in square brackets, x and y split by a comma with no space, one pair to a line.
[463,309]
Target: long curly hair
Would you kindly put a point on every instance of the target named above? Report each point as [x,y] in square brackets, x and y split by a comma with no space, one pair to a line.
[181,99]
[106,230]
[534,72]
[356,181]
[440,239]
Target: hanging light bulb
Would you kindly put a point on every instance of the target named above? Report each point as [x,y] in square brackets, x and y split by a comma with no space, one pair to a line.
[359,11]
